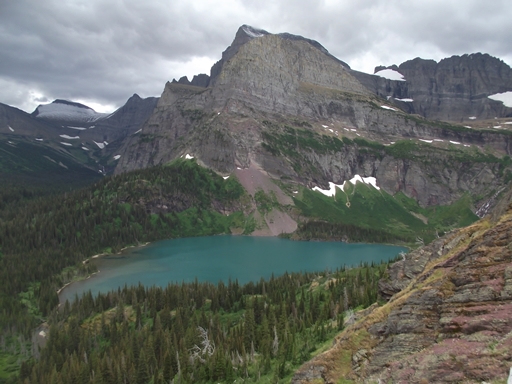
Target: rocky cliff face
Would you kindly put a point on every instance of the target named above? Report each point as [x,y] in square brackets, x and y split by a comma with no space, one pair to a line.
[267,84]
[448,318]
[454,89]
[123,122]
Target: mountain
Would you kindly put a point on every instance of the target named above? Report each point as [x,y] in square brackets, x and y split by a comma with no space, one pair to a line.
[67,111]
[458,88]
[281,107]
[447,316]
[71,132]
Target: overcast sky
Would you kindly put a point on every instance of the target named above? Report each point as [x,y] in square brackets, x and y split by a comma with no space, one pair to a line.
[100,52]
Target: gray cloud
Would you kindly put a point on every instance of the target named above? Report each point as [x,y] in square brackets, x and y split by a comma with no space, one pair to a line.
[102,51]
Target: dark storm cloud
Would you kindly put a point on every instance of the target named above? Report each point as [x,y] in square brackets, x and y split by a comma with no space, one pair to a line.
[103,51]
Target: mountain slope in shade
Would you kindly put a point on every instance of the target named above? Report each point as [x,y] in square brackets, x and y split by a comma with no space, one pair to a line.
[75,130]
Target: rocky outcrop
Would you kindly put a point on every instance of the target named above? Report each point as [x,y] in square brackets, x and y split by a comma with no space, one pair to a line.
[454,89]
[448,318]
[123,122]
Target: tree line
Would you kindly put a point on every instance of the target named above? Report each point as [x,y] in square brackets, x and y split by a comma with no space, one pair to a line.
[200,332]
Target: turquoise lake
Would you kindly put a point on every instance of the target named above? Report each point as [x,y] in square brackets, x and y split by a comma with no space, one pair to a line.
[218,258]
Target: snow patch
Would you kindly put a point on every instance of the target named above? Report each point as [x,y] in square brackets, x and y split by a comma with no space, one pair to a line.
[353,130]
[366,180]
[140,130]
[405,100]
[390,74]
[60,111]
[357,178]
[472,117]
[188,157]
[106,143]
[39,139]
[331,130]
[454,142]
[508,122]
[295,192]
[386,107]
[467,126]
[505,98]
[346,129]
[117,157]
[497,126]
[325,126]
[100,145]
[438,140]
[252,32]
[225,177]
[77,128]
[85,148]
[69,137]
[331,191]
[426,141]
[66,144]
[12,130]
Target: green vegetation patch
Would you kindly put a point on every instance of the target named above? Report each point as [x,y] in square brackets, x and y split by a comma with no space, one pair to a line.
[363,213]
[37,166]
[368,211]
[288,141]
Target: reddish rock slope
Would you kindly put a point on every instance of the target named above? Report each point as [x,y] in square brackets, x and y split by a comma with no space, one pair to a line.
[449,319]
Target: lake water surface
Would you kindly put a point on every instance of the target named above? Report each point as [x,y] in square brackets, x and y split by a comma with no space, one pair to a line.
[218,258]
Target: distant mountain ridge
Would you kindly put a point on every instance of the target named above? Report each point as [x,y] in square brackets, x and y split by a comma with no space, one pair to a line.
[85,137]
[455,89]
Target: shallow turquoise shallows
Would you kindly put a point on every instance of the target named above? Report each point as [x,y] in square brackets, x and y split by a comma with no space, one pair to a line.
[218,258]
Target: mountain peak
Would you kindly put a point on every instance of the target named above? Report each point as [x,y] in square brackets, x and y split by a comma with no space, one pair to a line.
[71,103]
[251,31]
[66,110]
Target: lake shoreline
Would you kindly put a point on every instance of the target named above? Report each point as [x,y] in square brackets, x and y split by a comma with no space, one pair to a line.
[97,256]
[216,258]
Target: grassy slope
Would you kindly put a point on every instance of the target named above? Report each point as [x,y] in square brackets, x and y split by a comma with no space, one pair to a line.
[375,209]
[34,165]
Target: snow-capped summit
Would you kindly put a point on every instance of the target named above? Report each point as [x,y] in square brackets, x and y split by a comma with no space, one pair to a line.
[253,32]
[67,111]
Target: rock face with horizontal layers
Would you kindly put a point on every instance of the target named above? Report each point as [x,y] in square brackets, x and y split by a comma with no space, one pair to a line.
[455,89]
[269,86]
[448,318]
